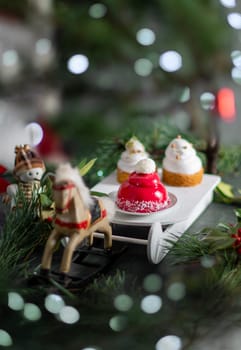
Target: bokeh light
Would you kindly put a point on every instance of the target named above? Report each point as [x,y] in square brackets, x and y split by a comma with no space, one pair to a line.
[97,10]
[225,104]
[145,36]
[78,64]
[234,20]
[5,338]
[236,75]
[50,102]
[207,100]
[43,46]
[32,312]
[123,302]
[169,342]
[185,95]
[228,3]
[176,291]
[151,304]
[15,301]
[44,7]
[207,261]
[170,61]
[118,323]
[152,283]
[143,67]
[35,133]
[54,303]
[69,315]
[10,58]
[236,58]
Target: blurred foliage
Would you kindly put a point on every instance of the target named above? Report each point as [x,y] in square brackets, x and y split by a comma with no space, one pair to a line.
[110,43]
[229,159]
[215,248]
[110,94]
[111,99]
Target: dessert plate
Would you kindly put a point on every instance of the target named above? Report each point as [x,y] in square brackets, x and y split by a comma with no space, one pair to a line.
[172,203]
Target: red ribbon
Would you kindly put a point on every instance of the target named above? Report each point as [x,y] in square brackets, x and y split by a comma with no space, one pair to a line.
[104,213]
[63,187]
[71,225]
[78,225]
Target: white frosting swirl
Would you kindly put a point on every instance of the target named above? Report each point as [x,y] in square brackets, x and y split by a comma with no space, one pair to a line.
[145,166]
[128,161]
[134,152]
[181,158]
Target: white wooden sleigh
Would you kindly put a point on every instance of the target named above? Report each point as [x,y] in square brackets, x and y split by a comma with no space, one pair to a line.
[166,224]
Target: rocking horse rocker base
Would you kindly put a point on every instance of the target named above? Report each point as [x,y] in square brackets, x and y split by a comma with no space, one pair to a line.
[88,263]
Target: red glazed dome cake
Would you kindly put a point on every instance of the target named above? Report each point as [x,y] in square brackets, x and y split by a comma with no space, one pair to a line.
[143,192]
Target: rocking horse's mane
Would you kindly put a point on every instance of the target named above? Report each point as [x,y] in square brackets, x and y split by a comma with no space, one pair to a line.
[65,172]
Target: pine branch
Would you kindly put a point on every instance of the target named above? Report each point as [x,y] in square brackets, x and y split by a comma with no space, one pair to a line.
[190,247]
[21,234]
[229,159]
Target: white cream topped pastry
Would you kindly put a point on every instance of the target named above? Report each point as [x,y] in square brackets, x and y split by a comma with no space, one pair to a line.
[135,151]
[181,165]
[181,157]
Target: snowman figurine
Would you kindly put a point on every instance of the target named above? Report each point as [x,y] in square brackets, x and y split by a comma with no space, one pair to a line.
[28,170]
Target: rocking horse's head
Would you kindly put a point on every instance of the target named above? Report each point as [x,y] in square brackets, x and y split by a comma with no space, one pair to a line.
[68,182]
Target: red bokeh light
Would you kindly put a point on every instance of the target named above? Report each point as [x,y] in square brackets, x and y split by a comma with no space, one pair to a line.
[225,103]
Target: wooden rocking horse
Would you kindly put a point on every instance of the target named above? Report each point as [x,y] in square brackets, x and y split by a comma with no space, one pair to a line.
[78,216]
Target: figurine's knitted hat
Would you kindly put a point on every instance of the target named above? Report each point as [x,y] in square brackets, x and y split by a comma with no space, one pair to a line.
[26,159]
